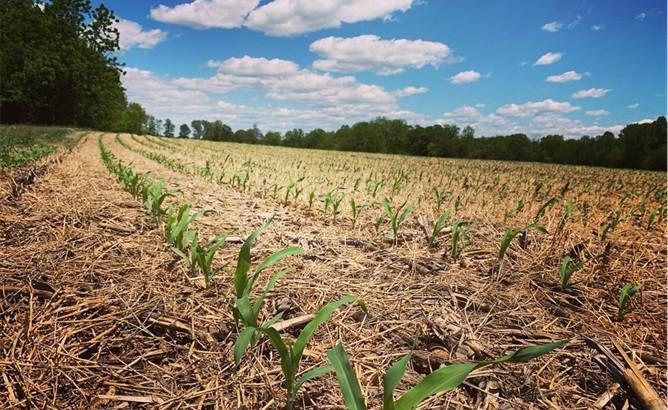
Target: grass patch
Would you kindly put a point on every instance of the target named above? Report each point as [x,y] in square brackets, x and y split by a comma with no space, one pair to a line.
[22,144]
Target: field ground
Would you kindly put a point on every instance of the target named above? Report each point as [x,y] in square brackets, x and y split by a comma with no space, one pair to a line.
[98,312]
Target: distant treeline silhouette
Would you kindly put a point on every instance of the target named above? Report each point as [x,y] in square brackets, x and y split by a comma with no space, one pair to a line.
[638,146]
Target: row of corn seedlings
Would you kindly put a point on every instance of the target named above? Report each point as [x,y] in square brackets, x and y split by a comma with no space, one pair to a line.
[333,199]
[176,221]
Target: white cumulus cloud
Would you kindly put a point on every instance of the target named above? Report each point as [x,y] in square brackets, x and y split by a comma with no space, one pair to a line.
[371,53]
[591,93]
[565,77]
[552,27]
[293,17]
[633,106]
[465,77]
[131,35]
[254,66]
[549,58]
[535,107]
[410,90]
[206,13]
[597,113]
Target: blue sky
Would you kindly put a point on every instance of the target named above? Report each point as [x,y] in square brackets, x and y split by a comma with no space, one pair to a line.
[572,67]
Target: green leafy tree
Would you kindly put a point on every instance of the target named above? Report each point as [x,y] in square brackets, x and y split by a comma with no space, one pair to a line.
[184,131]
[198,128]
[58,64]
[169,128]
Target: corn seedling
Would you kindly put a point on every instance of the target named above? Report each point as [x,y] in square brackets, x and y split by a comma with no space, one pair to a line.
[291,353]
[566,270]
[176,228]
[625,294]
[510,234]
[441,197]
[650,219]
[457,233]
[154,194]
[568,209]
[547,205]
[442,380]
[396,217]
[355,209]
[245,309]
[438,227]
[201,256]
[610,225]
[333,199]
[311,197]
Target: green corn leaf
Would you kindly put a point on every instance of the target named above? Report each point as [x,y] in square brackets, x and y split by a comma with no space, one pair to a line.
[321,317]
[444,379]
[405,214]
[180,253]
[507,238]
[388,210]
[312,374]
[449,377]
[564,271]
[542,209]
[246,311]
[531,352]
[438,226]
[273,259]
[273,320]
[244,260]
[350,386]
[537,228]
[243,340]
[392,379]
[272,281]
[625,294]
[284,352]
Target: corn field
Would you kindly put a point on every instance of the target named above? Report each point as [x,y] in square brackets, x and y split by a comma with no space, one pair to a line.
[171,273]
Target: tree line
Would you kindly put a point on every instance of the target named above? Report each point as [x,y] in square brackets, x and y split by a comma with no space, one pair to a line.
[638,146]
[58,66]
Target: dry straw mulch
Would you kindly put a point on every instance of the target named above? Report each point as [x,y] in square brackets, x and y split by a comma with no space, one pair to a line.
[96,312]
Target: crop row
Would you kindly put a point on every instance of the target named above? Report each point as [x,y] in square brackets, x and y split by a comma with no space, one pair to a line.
[248,310]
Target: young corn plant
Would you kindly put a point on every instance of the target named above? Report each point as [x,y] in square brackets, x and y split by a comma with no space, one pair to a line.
[442,380]
[333,200]
[566,270]
[311,197]
[458,232]
[441,197]
[547,205]
[568,209]
[396,217]
[610,225]
[176,228]
[200,256]
[154,194]
[510,234]
[247,310]
[438,227]
[625,294]
[291,353]
[356,210]
[132,182]
[650,219]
